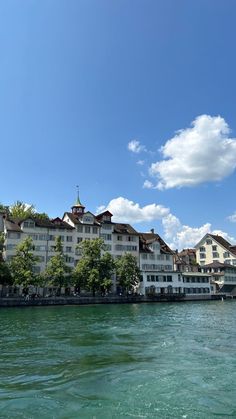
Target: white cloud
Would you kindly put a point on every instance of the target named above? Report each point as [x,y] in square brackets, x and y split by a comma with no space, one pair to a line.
[180,236]
[176,234]
[147,184]
[232,218]
[140,162]
[135,146]
[201,153]
[127,211]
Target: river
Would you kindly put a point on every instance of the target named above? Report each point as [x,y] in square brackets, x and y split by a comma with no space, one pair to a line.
[160,360]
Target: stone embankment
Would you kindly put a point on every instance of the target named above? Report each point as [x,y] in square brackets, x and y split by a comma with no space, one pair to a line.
[88,300]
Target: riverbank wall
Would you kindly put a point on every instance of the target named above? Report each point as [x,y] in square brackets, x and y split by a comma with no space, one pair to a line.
[88,300]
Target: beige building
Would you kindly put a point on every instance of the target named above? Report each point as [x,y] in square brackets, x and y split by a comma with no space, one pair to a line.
[214,248]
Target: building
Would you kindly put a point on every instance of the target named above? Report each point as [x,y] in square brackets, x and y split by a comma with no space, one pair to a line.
[185,261]
[223,277]
[213,248]
[43,233]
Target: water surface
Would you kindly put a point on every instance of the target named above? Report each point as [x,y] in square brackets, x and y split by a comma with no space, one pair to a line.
[168,360]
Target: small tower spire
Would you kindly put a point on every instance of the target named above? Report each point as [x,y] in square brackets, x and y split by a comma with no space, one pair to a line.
[78,208]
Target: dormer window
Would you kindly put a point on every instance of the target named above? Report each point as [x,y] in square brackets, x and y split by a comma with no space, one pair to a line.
[28,224]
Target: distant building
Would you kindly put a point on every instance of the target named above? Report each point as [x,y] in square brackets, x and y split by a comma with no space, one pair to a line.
[213,248]
[185,261]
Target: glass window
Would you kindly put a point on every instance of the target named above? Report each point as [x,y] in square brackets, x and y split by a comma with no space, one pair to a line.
[87,229]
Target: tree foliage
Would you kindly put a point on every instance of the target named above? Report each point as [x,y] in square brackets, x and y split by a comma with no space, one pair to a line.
[94,270]
[128,272]
[23,263]
[57,272]
[21,210]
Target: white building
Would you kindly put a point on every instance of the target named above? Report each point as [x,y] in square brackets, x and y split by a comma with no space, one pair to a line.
[43,233]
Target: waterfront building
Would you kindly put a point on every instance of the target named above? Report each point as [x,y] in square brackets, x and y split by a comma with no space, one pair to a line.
[195,283]
[163,271]
[43,233]
[213,248]
[223,277]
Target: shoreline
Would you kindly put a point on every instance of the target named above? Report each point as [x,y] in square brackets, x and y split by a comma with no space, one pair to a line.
[87,300]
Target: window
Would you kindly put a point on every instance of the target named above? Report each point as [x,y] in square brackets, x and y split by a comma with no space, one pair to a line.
[69,238]
[33,236]
[106,236]
[51,237]
[87,229]
[13,235]
[28,224]
[215,254]
[214,248]
[40,248]
[144,256]
[108,247]
[202,249]
[69,259]
[80,229]
[62,238]
[88,219]
[202,256]
[208,241]
[68,249]
[43,237]
[131,238]
[95,230]
[11,246]
[106,227]
[79,239]
[169,278]
[119,238]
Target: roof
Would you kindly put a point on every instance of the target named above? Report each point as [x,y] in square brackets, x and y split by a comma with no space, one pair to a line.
[149,238]
[216,264]
[76,218]
[14,224]
[104,213]
[220,240]
[124,229]
[195,274]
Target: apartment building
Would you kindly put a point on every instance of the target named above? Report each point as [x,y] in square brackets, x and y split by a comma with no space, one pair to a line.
[214,248]
[43,233]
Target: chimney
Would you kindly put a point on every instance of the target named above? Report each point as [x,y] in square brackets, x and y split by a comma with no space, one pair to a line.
[152,230]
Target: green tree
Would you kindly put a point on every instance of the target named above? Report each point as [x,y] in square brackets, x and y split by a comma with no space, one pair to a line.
[4,208]
[57,272]
[23,263]
[128,272]
[21,210]
[94,269]
[5,274]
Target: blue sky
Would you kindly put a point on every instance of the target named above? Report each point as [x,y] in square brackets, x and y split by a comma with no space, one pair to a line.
[95,93]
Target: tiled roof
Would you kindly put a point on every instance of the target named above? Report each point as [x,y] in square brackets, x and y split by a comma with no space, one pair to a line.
[221,241]
[76,219]
[150,238]
[124,229]
[14,224]
[216,264]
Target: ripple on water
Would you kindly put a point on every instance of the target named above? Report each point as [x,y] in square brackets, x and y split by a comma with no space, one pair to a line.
[154,360]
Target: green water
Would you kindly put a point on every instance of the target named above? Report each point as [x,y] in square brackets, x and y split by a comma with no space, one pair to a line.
[119,361]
